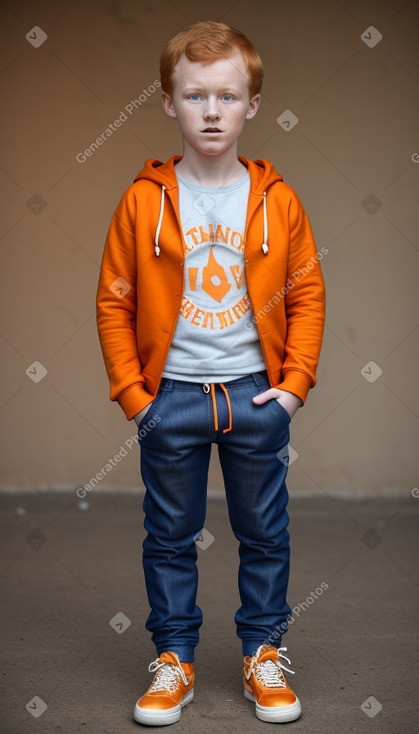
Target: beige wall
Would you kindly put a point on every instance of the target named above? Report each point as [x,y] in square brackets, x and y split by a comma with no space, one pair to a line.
[356,137]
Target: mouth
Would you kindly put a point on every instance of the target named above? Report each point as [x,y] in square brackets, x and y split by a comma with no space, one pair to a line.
[211,130]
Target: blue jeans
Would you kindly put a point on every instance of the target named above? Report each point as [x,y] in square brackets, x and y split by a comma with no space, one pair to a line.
[175,456]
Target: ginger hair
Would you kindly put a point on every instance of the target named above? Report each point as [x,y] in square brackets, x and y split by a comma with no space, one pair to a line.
[208,41]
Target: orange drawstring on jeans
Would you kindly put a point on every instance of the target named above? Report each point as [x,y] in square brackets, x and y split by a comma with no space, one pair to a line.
[214,407]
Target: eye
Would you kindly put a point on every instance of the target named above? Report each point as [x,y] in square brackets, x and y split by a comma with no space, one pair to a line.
[227,97]
[194,97]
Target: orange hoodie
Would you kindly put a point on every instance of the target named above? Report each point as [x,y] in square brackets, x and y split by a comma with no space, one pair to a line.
[142,280]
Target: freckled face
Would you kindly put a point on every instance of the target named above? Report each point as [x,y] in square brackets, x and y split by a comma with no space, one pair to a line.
[211,102]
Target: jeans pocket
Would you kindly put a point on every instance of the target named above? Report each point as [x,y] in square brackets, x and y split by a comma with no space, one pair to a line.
[282,410]
[145,414]
[151,416]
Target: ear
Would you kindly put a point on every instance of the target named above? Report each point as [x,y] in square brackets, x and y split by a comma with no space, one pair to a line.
[254,105]
[168,104]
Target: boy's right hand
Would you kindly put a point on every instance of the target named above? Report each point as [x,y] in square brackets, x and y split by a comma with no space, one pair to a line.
[289,401]
[139,416]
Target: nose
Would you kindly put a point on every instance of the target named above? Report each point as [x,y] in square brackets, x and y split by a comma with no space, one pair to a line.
[212,111]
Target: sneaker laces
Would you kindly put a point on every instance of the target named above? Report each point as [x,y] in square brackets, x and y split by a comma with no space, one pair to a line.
[269,672]
[167,677]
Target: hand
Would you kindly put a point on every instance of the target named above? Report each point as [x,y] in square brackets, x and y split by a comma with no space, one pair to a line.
[288,400]
[139,416]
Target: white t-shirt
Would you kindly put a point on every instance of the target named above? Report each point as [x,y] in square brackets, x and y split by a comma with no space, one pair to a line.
[215,339]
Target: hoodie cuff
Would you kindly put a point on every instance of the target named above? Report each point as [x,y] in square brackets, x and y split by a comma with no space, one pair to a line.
[133,399]
[296,382]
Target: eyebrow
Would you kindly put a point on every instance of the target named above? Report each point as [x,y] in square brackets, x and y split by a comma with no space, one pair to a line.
[197,88]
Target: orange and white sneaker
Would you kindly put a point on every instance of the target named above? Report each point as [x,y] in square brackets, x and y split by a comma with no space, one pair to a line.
[265,684]
[172,688]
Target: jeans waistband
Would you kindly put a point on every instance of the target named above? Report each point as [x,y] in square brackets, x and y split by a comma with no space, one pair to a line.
[251,379]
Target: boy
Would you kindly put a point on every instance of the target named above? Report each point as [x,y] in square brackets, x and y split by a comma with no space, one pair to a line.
[210,315]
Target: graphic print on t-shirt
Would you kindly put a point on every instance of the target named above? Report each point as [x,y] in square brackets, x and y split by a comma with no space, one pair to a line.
[215,288]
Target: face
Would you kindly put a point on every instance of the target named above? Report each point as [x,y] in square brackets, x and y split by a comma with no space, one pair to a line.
[211,103]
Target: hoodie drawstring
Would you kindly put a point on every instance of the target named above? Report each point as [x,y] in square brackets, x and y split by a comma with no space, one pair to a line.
[265,247]
[156,238]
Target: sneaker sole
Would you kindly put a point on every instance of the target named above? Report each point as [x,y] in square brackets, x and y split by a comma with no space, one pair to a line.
[161,717]
[275,714]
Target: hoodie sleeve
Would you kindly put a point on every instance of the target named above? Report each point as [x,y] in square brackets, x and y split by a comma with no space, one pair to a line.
[116,305]
[304,304]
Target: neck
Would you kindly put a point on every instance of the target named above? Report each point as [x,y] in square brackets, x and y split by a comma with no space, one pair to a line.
[211,170]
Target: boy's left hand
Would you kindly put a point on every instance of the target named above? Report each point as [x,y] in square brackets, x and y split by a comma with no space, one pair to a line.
[288,400]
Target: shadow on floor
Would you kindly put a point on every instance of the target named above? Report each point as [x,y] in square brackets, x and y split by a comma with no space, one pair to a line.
[76,652]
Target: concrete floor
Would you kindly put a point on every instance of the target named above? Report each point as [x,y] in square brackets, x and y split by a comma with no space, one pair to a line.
[68,569]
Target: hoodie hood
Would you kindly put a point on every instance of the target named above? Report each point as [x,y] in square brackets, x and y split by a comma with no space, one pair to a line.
[262,176]
[262,173]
